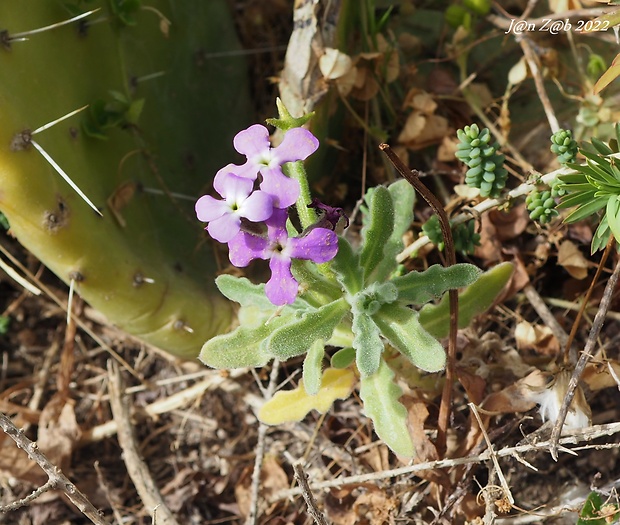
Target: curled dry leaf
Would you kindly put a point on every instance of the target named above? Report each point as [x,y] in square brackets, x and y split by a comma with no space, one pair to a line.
[335,64]
[423,127]
[572,260]
[536,337]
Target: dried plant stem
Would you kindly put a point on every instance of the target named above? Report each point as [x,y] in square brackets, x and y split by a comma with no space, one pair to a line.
[484,206]
[302,481]
[572,437]
[136,467]
[545,314]
[260,448]
[532,62]
[498,469]
[586,300]
[446,396]
[585,356]
[57,480]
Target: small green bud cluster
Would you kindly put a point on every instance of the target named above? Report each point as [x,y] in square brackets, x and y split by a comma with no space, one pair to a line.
[542,203]
[464,235]
[564,146]
[486,166]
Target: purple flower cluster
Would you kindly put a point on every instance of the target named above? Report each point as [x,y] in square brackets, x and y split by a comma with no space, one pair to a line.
[242,201]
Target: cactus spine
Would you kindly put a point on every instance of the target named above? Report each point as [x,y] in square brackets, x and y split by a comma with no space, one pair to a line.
[145,264]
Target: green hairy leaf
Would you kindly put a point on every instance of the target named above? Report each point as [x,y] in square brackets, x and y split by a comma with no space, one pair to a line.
[242,347]
[346,264]
[377,231]
[246,293]
[296,337]
[343,357]
[474,300]
[381,403]
[367,343]
[313,367]
[403,198]
[401,327]
[420,287]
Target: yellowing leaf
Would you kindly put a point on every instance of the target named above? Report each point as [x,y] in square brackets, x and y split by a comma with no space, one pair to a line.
[293,405]
[611,74]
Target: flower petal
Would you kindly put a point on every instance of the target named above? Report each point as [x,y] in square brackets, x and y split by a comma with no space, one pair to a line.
[233,188]
[283,190]
[253,141]
[276,227]
[257,207]
[320,245]
[243,248]
[208,208]
[282,286]
[248,170]
[297,144]
[225,228]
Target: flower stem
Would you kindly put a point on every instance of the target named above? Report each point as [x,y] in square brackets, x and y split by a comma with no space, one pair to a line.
[307,216]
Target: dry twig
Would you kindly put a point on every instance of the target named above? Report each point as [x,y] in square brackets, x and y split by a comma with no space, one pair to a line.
[260,448]
[571,437]
[302,481]
[445,406]
[57,480]
[597,325]
[136,467]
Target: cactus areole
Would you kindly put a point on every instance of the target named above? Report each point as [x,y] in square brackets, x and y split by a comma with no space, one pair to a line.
[158,121]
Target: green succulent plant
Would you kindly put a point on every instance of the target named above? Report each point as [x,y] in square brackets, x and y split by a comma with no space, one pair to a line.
[159,118]
[594,188]
[486,166]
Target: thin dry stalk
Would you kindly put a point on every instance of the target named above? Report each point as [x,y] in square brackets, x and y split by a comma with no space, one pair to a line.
[445,407]
[532,62]
[597,325]
[545,314]
[491,450]
[260,448]
[571,437]
[57,480]
[302,481]
[136,467]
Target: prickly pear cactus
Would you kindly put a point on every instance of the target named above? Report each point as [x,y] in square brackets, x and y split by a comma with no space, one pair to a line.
[160,119]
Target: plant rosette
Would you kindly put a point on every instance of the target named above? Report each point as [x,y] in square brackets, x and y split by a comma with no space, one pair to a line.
[326,298]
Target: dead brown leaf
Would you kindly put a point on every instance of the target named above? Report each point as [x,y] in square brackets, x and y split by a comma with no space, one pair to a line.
[273,479]
[572,260]
[509,224]
[539,338]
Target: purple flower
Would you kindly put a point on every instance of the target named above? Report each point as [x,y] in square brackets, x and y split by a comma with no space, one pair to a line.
[329,217]
[319,245]
[298,144]
[224,216]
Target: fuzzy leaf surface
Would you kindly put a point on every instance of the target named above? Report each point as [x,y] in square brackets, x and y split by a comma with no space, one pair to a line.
[377,231]
[367,343]
[381,403]
[403,199]
[344,357]
[293,405]
[313,366]
[296,337]
[242,347]
[347,267]
[246,293]
[474,300]
[420,287]
[401,327]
